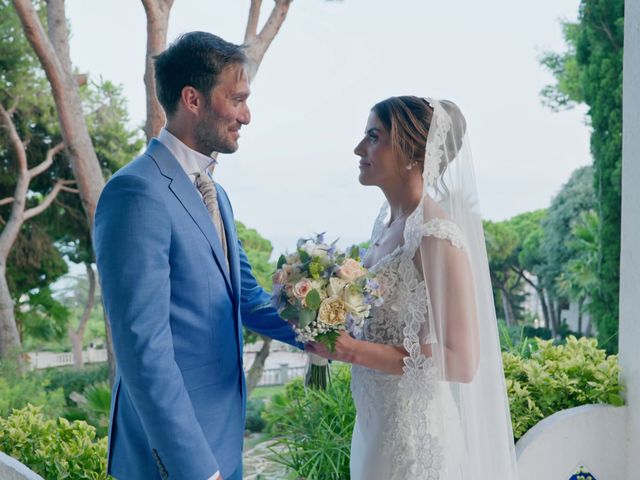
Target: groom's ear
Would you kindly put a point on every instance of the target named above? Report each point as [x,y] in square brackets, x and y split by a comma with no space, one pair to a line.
[192,100]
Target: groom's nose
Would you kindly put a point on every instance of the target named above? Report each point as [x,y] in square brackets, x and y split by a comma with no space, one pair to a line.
[244,116]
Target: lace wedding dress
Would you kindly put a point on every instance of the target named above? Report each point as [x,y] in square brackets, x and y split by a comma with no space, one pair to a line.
[397,433]
[447,416]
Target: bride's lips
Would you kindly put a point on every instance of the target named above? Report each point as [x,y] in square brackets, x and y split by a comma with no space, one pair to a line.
[364,164]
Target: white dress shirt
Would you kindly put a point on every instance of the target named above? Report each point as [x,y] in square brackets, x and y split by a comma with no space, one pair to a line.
[192,163]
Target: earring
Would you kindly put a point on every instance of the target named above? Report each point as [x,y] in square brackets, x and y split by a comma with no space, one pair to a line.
[410,166]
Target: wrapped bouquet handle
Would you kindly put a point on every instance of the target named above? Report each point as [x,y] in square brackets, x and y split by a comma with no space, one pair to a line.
[318,373]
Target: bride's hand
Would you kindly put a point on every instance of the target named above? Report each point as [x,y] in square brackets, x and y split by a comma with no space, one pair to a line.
[344,352]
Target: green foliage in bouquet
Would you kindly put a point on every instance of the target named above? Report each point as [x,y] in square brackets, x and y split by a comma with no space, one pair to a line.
[55,449]
[555,378]
[316,427]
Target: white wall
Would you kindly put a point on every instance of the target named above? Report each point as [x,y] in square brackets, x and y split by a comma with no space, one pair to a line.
[630,254]
[590,435]
[11,469]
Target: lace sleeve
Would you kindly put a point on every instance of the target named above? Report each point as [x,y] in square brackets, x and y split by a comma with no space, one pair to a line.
[444,230]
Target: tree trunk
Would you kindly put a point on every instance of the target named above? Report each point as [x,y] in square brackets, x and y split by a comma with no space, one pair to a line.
[257,367]
[580,307]
[256,43]
[54,57]
[76,348]
[77,336]
[506,307]
[553,317]
[545,308]
[9,338]
[157,25]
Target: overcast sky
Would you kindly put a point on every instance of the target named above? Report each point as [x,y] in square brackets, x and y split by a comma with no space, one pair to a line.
[295,172]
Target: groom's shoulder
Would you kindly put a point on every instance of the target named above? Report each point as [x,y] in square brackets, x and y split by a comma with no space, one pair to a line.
[143,168]
[143,165]
[141,174]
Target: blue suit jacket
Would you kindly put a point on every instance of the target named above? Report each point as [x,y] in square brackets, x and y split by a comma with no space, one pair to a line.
[176,316]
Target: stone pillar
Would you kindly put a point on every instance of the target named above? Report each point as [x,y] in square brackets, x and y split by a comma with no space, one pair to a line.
[284,373]
[630,253]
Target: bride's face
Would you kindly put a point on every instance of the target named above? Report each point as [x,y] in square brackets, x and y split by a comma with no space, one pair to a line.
[377,165]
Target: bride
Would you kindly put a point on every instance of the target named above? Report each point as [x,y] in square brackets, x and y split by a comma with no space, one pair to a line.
[427,377]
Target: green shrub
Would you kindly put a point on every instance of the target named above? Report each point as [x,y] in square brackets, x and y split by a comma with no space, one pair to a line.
[558,377]
[98,397]
[255,423]
[55,449]
[72,380]
[317,427]
[16,390]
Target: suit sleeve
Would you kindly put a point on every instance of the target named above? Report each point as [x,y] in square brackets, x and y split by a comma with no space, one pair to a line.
[257,312]
[132,237]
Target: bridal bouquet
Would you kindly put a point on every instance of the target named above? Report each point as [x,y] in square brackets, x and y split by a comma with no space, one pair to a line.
[322,291]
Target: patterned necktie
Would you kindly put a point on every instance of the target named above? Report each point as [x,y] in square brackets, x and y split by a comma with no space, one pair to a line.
[207,187]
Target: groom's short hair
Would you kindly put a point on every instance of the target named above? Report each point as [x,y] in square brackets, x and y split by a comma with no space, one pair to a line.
[193,59]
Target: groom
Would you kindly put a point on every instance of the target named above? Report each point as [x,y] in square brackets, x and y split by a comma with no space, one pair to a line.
[176,283]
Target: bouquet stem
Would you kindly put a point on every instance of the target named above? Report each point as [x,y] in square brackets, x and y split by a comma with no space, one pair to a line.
[318,373]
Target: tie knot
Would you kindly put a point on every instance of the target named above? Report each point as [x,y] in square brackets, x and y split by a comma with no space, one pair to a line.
[205,185]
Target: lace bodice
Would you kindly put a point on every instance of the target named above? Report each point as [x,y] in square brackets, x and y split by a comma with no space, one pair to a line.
[401,284]
[398,402]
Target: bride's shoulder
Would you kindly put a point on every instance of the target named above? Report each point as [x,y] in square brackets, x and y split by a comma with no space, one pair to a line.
[432,210]
[438,224]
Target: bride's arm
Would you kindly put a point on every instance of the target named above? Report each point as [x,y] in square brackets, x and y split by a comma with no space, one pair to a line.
[453,313]
[386,358]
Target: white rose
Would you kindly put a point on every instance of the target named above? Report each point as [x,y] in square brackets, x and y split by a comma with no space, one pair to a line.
[293,259]
[315,250]
[319,286]
[336,286]
[354,302]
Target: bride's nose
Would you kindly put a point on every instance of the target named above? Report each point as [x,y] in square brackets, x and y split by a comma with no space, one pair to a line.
[359,150]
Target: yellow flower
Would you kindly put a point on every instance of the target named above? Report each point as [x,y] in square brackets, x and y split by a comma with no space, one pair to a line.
[333,311]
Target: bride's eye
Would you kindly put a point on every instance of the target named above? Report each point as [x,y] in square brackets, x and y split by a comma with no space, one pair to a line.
[372,138]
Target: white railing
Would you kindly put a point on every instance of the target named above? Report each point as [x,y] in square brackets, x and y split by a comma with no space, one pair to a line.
[280,376]
[39,360]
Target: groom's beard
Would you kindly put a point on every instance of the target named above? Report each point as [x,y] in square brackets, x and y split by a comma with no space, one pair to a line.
[213,137]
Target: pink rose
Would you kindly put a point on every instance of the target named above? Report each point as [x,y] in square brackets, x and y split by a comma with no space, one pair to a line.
[302,288]
[280,277]
[350,270]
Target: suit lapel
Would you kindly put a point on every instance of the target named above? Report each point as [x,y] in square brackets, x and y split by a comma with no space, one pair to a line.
[232,240]
[234,260]
[187,195]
